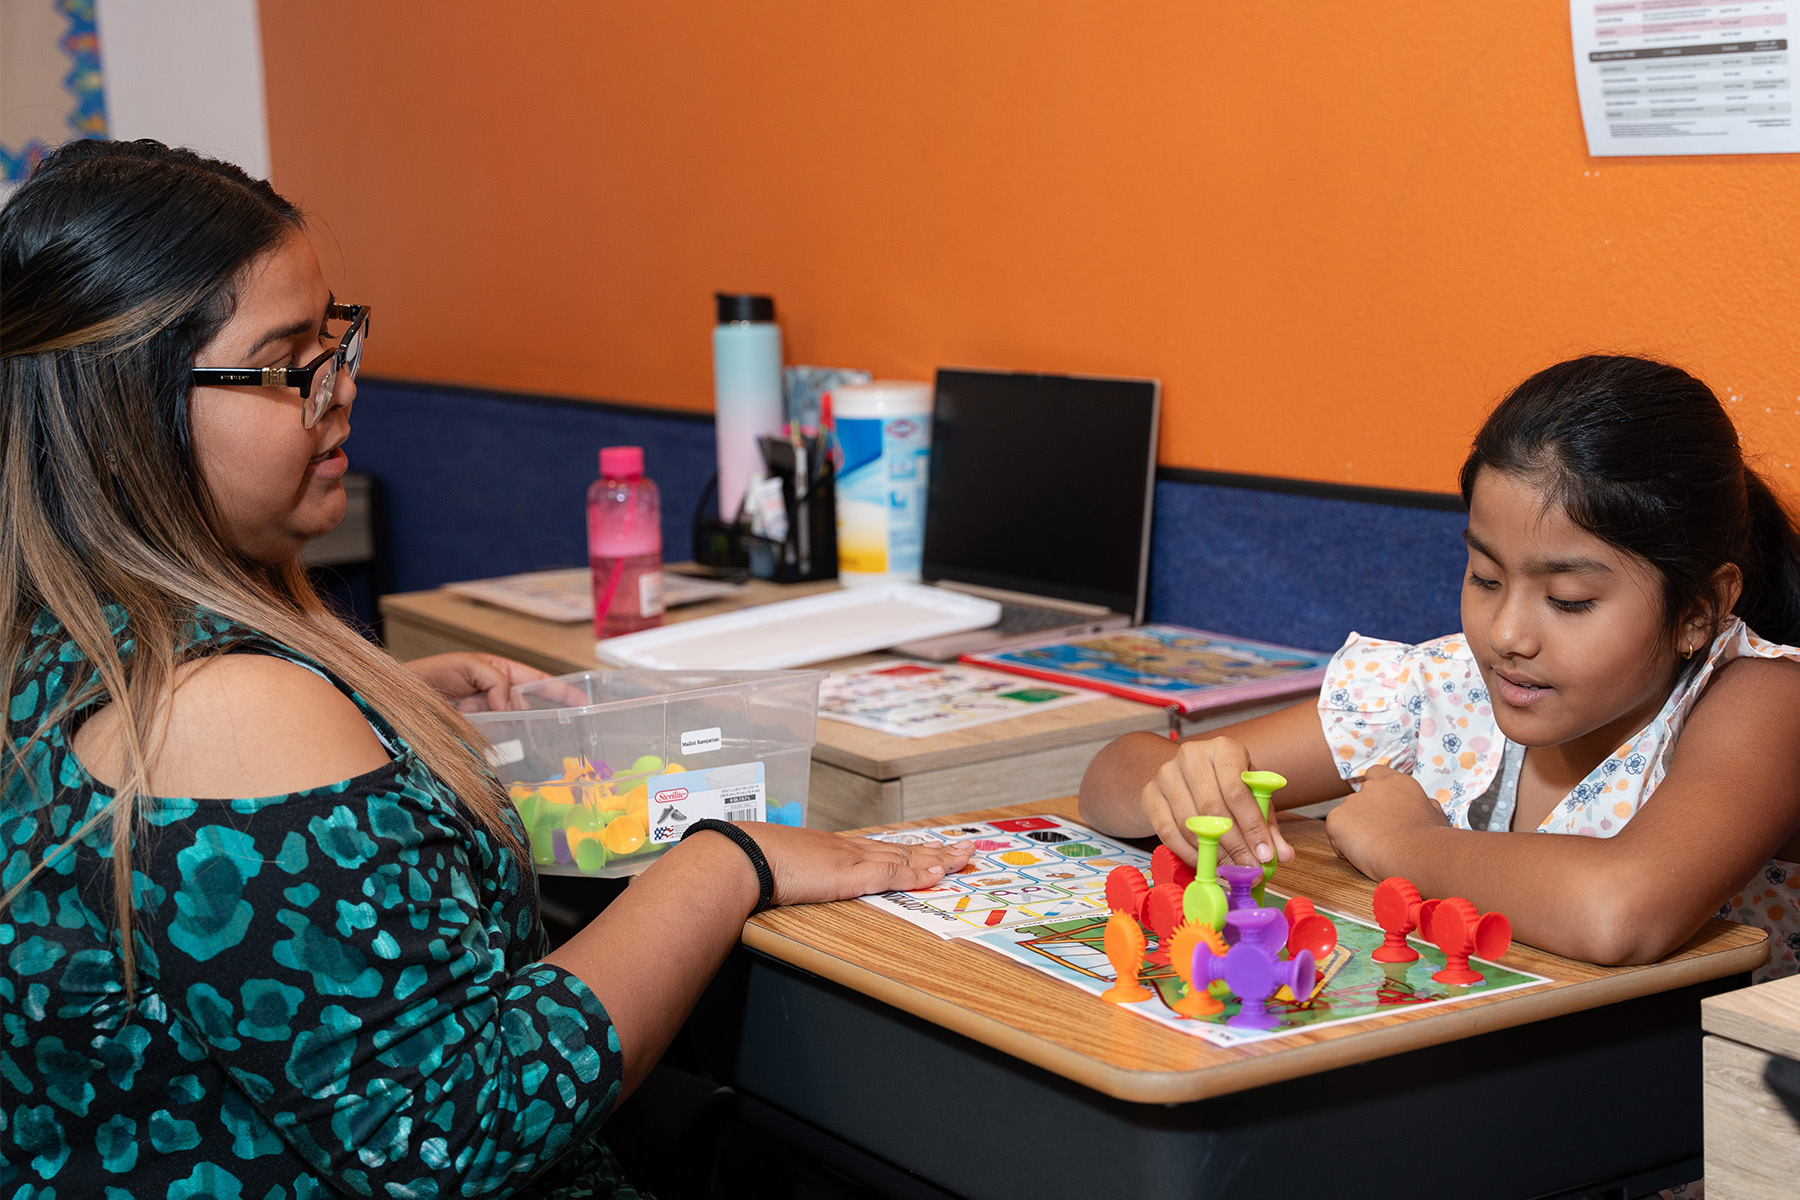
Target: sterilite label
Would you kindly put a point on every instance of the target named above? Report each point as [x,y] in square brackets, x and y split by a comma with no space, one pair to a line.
[728,793]
[700,741]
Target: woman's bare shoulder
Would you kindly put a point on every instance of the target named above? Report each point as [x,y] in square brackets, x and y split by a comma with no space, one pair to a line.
[240,726]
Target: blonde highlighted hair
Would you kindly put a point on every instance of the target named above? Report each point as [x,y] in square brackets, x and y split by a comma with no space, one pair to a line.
[118,262]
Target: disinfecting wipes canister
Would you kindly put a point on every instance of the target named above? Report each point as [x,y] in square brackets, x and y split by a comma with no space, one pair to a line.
[884,435]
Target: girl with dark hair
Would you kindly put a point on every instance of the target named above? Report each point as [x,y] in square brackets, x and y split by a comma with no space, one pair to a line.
[265,924]
[1627,672]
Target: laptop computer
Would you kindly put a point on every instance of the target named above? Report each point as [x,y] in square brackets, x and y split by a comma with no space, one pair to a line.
[1039,497]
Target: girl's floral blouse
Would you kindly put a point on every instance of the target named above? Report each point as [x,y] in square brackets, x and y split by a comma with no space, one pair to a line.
[1423,710]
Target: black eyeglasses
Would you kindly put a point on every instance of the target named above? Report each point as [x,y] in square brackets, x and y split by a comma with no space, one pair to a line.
[314,389]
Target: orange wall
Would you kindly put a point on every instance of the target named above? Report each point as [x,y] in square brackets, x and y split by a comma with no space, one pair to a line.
[1336,231]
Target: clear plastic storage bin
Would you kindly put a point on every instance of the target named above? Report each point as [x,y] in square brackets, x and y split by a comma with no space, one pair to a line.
[608,768]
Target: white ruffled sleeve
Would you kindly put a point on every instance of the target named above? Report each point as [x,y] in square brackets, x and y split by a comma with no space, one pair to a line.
[1369,706]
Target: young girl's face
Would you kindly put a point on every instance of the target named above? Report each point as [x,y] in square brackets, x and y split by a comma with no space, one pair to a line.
[1567,629]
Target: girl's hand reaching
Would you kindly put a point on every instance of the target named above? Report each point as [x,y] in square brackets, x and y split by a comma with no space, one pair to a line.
[811,865]
[1370,826]
[1203,779]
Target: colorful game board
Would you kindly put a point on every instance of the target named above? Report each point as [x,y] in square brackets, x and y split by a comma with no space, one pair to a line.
[1352,986]
[1024,870]
[1167,664]
[1035,891]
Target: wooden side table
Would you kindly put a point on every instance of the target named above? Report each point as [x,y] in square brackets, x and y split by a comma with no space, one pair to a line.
[1752,1056]
[859,777]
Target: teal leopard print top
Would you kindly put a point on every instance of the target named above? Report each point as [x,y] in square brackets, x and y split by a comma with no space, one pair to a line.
[339,991]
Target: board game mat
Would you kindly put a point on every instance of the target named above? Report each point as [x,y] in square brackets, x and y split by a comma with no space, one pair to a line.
[1035,892]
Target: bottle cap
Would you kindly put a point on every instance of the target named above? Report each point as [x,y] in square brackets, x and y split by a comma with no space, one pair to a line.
[622,462]
[742,306]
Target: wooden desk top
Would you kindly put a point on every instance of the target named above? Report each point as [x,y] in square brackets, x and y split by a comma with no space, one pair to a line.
[557,646]
[975,992]
[561,648]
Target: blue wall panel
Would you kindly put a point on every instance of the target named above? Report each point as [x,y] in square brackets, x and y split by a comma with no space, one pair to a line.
[1303,570]
[481,484]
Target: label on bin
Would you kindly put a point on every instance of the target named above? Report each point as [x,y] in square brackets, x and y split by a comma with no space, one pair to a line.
[700,741]
[728,793]
[502,753]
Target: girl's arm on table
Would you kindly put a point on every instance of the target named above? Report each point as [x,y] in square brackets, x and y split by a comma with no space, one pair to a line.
[1143,784]
[654,949]
[1730,800]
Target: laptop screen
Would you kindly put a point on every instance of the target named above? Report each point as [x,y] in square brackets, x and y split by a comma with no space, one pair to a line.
[1042,484]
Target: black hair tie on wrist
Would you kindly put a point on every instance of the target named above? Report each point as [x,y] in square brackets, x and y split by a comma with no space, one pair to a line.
[765,879]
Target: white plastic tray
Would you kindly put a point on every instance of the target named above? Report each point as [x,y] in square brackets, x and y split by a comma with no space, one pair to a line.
[809,630]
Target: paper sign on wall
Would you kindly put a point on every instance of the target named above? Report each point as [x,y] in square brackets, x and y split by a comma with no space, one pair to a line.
[1665,77]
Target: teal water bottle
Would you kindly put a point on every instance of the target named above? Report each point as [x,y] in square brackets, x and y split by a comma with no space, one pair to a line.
[746,390]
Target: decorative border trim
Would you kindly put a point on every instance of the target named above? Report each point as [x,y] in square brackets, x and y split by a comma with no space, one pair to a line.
[86,85]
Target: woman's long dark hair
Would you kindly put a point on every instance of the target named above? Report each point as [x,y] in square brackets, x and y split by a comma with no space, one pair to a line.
[118,262]
[1641,455]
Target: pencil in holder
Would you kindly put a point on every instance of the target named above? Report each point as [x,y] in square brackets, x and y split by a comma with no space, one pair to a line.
[806,545]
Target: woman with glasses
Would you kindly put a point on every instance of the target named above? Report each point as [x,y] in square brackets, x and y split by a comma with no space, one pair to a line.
[265,923]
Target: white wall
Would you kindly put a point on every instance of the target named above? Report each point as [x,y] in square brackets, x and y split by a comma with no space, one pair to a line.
[189,73]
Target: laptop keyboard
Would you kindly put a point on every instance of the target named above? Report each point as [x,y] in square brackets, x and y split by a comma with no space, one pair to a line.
[1029,618]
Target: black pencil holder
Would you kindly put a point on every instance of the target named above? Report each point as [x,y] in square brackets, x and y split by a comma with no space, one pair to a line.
[810,549]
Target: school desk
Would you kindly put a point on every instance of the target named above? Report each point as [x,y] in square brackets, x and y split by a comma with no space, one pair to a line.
[860,777]
[1753,1092]
[932,1068]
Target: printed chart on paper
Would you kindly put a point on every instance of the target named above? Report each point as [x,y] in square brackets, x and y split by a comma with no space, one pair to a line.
[1664,77]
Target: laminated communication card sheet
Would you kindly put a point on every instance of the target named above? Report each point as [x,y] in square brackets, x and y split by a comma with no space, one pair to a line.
[913,700]
[1024,869]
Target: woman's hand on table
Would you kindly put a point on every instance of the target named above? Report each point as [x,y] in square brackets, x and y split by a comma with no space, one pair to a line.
[1202,778]
[1372,822]
[811,865]
[474,682]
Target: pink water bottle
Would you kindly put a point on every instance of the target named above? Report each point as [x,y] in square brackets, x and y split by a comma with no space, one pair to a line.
[625,544]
